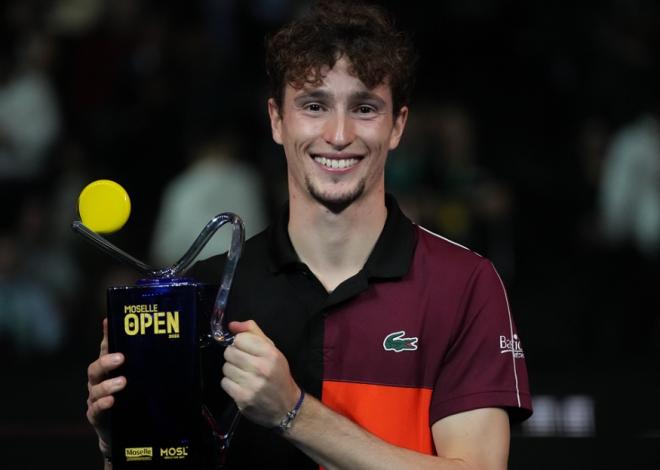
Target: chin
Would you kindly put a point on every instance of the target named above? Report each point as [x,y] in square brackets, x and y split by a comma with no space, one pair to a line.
[336,201]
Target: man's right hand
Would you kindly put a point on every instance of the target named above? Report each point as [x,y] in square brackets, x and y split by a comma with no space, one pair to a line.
[101,390]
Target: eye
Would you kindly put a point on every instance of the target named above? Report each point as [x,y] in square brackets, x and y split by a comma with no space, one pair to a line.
[313,107]
[365,109]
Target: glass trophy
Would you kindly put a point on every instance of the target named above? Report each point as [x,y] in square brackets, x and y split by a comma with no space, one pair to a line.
[171,330]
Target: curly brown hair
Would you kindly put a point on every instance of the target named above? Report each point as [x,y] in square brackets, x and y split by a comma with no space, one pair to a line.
[365,34]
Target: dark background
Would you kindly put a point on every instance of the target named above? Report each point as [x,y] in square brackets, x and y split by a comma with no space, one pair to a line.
[515,110]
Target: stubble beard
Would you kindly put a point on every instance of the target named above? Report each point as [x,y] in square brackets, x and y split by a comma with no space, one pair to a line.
[336,203]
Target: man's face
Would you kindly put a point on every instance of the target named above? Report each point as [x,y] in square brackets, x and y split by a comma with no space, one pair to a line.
[336,137]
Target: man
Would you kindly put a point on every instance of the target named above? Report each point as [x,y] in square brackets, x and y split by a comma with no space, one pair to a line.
[402,340]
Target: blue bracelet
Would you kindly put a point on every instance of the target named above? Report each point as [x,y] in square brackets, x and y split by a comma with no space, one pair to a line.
[286,422]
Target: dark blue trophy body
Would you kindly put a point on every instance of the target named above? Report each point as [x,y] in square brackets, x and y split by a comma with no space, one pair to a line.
[170,330]
[157,420]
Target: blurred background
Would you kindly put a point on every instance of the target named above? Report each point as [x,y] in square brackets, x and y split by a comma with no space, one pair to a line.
[534,139]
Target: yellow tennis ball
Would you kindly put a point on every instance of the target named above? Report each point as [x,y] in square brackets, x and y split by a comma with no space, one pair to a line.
[104,206]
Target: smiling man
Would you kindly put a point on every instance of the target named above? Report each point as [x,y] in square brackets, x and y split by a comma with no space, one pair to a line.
[362,340]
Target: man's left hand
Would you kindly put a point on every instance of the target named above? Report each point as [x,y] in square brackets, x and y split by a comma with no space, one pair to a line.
[257,376]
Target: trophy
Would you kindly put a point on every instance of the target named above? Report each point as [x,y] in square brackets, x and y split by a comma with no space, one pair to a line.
[171,331]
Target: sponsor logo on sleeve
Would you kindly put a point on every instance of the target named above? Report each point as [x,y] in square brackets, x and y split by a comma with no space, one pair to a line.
[511,346]
[397,343]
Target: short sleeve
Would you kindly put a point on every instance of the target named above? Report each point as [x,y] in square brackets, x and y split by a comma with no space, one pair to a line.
[485,363]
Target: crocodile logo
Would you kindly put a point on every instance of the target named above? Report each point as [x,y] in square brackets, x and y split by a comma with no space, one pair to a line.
[397,343]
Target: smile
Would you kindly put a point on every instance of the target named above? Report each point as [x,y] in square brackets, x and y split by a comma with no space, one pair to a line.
[336,163]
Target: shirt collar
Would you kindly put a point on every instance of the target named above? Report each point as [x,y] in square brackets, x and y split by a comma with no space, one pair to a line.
[390,258]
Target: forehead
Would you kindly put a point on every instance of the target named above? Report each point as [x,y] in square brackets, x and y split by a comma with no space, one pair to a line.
[338,82]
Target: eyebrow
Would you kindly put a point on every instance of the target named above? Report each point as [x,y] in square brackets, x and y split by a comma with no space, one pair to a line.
[323,95]
[313,94]
[367,96]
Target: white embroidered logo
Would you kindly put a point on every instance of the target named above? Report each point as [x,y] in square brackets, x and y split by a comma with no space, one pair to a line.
[511,346]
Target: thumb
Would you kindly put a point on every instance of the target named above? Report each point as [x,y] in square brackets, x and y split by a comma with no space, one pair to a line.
[249,326]
[104,341]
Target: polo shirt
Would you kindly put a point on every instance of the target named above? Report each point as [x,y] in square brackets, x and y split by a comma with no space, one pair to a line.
[422,332]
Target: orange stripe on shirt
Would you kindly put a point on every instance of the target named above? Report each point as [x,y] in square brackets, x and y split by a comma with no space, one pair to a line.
[398,415]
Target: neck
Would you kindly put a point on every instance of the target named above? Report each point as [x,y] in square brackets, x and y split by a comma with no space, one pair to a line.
[335,246]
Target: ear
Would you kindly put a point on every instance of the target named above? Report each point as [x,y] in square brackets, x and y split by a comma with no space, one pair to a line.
[275,120]
[399,126]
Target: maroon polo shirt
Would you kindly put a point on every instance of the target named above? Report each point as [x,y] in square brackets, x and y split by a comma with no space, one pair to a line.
[424,331]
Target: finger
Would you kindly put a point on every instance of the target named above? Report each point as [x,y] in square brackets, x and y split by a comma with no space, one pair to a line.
[234,390]
[106,388]
[245,355]
[97,408]
[104,341]
[253,344]
[236,374]
[100,368]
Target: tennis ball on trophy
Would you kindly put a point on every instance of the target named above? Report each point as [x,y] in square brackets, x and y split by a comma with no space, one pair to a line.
[104,206]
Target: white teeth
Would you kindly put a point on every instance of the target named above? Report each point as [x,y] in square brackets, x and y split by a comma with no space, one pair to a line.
[336,163]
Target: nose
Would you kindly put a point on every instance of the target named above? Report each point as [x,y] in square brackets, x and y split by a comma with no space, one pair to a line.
[338,130]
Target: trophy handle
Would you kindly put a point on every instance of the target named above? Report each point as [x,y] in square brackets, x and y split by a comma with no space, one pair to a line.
[222,436]
[218,331]
[110,249]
